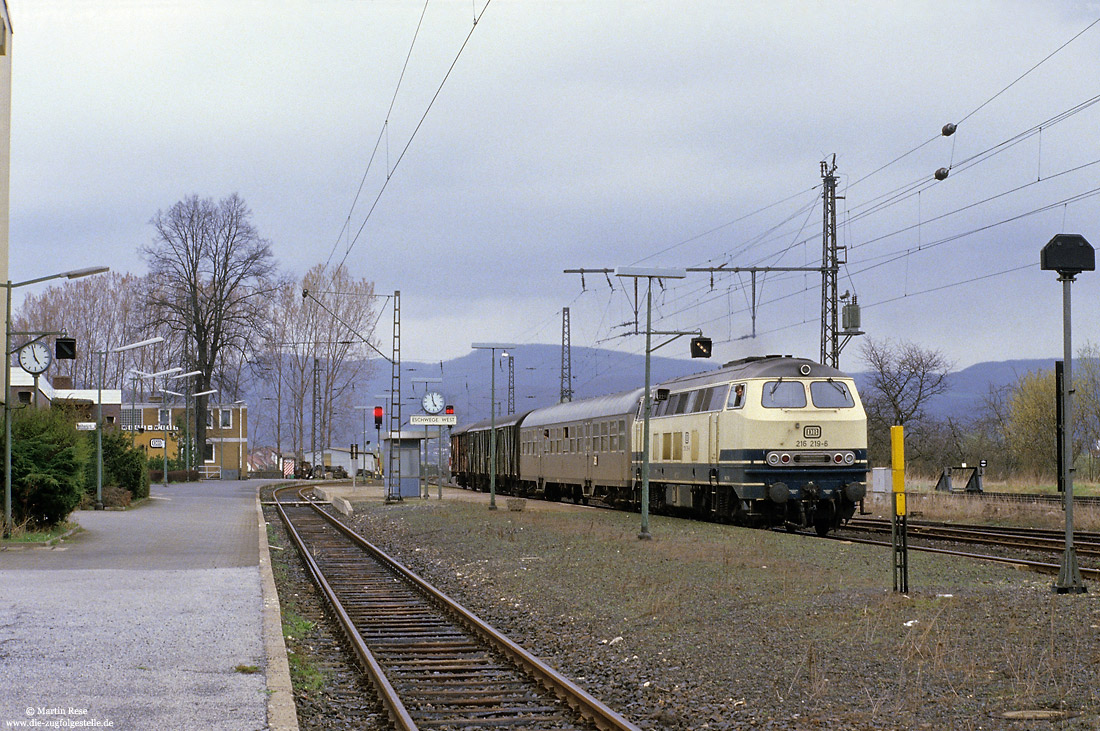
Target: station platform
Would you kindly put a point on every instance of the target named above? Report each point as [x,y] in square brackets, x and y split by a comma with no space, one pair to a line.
[162,616]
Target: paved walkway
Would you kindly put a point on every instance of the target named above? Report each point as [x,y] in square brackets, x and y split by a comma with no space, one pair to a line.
[149,618]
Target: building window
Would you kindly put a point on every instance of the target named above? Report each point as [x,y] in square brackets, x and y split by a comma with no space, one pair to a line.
[208,452]
[24,397]
[227,418]
[164,417]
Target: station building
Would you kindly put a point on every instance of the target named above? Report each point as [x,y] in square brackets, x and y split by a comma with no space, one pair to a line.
[152,425]
[155,426]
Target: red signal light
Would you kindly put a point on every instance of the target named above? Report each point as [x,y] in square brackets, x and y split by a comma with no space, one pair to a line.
[450,410]
[377,417]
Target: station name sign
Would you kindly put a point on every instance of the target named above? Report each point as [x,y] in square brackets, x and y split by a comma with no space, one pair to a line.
[433,419]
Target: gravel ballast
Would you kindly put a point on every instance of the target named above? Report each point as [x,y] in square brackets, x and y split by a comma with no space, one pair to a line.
[712,626]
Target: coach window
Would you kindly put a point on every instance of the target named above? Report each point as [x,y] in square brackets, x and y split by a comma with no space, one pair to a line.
[783,395]
[831,394]
[737,396]
[702,401]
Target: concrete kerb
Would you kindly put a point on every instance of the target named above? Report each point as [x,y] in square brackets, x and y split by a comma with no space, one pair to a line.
[282,714]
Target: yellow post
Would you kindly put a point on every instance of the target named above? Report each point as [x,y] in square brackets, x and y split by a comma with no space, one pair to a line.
[897,453]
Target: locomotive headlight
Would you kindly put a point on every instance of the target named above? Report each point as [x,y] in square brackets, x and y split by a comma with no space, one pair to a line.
[773,459]
[849,458]
[784,458]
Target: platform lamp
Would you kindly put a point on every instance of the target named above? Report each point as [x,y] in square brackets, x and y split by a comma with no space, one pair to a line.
[99,411]
[170,393]
[186,418]
[154,376]
[9,286]
[493,348]
[1069,255]
[240,439]
[210,392]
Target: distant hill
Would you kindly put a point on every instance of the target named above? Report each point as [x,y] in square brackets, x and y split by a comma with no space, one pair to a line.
[968,388]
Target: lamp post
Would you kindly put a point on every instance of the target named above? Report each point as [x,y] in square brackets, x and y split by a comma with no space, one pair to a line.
[186,418]
[240,435]
[99,411]
[210,392]
[9,286]
[170,393]
[650,275]
[154,376]
[1069,255]
[492,348]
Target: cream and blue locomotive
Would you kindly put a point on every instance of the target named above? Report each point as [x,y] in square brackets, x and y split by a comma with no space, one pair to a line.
[772,440]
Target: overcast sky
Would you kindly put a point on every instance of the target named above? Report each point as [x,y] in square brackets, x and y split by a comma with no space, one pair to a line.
[583,134]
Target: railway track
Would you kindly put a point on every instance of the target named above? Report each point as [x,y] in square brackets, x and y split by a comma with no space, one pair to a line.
[433,663]
[1032,539]
[1022,541]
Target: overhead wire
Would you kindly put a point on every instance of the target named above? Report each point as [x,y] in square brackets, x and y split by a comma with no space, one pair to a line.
[382,132]
[416,129]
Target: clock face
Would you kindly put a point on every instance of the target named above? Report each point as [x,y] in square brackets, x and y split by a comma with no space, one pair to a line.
[34,358]
[433,402]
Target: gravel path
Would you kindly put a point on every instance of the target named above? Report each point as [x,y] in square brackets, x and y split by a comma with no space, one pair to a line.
[716,627]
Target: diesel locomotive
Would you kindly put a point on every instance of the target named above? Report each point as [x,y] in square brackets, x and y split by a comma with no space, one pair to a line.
[770,440]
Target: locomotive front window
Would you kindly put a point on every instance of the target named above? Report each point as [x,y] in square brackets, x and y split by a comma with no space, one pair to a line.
[737,396]
[783,395]
[831,395]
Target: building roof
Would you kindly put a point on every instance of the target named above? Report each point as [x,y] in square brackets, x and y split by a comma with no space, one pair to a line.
[21,379]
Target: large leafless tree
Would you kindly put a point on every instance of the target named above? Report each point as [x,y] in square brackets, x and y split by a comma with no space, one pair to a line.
[210,272]
[904,378]
[325,337]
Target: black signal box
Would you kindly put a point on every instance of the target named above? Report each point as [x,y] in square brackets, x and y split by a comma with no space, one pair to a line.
[700,347]
[1068,254]
[65,348]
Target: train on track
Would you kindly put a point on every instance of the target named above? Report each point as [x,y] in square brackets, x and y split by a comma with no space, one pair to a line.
[769,440]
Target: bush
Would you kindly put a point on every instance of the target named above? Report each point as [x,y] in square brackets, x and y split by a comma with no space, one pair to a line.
[123,465]
[48,461]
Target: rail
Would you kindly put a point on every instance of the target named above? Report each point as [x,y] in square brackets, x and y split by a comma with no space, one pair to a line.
[400,641]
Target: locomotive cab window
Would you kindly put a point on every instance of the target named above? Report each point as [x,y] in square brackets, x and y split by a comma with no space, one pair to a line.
[831,394]
[737,396]
[783,395]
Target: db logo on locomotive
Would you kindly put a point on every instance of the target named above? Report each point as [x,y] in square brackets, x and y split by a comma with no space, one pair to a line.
[811,432]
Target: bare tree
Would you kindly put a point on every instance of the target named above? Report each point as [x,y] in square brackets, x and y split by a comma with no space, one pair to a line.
[101,313]
[319,337]
[904,378]
[209,273]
